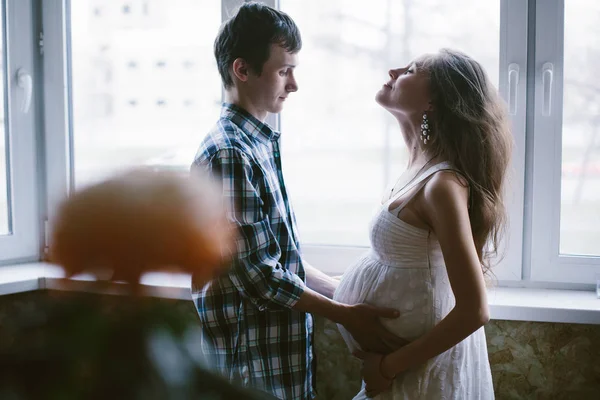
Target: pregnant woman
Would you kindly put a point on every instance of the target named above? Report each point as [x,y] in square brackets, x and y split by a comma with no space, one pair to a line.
[434,235]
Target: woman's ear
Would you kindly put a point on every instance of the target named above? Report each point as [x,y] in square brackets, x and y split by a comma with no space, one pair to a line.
[430,106]
[240,69]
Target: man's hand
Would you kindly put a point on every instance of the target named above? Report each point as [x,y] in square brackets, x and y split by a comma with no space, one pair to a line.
[362,321]
[375,382]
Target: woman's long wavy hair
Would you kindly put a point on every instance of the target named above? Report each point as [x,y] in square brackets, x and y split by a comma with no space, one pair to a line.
[470,129]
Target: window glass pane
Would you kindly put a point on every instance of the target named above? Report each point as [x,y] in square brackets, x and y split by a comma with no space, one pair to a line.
[580,183]
[4,159]
[341,149]
[145,84]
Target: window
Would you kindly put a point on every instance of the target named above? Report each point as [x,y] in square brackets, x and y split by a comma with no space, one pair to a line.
[351,149]
[135,83]
[145,124]
[580,150]
[566,186]
[19,217]
[4,154]
[339,160]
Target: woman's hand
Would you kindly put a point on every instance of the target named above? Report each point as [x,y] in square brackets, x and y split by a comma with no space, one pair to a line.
[375,382]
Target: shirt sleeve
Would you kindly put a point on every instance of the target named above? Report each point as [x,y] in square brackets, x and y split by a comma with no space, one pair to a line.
[255,270]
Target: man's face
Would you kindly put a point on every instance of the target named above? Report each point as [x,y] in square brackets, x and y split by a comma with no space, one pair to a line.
[275,83]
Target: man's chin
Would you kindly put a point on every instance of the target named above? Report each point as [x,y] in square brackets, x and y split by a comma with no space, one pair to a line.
[276,108]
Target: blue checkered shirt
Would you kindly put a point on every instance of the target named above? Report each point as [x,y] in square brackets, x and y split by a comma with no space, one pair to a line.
[248,325]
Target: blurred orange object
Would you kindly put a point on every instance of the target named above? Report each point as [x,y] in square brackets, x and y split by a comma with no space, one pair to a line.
[142,221]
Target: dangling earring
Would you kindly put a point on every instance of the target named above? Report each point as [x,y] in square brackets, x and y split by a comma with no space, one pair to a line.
[425,132]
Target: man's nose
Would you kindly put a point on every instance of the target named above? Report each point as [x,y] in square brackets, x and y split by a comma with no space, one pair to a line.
[292,85]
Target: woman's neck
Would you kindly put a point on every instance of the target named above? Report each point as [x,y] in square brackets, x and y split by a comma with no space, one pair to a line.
[410,126]
[418,156]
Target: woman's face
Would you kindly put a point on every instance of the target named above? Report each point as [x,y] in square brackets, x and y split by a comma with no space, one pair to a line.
[406,92]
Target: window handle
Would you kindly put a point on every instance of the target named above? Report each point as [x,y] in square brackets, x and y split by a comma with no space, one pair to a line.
[25,82]
[547,79]
[513,85]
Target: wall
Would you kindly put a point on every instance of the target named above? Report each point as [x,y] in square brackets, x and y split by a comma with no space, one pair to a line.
[530,360]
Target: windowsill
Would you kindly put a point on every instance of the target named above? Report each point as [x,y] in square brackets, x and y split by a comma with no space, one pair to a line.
[516,304]
[21,278]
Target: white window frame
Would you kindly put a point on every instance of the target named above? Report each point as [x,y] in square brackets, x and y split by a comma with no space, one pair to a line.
[513,88]
[228,7]
[23,242]
[546,262]
[57,107]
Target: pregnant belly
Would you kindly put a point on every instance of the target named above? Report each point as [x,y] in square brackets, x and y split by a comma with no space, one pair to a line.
[406,290]
[357,281]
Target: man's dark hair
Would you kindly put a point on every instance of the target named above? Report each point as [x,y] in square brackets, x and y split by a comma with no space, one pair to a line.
[249,35]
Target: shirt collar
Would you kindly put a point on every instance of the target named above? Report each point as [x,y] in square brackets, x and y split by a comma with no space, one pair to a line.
[248,123]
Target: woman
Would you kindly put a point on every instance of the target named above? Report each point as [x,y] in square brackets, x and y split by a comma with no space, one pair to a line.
[436,230]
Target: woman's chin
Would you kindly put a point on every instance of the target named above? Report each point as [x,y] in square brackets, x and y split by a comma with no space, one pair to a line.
[383,101]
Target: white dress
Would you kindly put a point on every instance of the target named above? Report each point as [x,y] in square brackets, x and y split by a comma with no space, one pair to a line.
[405,270]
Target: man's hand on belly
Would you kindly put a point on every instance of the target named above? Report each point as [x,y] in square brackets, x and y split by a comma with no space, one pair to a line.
[362,321]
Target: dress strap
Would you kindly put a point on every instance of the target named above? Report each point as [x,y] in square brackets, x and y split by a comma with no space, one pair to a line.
[420,183]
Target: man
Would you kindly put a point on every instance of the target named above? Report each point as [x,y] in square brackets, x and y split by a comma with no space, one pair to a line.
[256,319]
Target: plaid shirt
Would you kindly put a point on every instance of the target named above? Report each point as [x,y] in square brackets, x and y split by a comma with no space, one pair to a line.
[249,327]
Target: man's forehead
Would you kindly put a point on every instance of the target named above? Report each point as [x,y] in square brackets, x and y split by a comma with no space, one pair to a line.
[281,56]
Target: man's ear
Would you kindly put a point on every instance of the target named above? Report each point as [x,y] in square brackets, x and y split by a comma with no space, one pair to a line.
[240,69]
